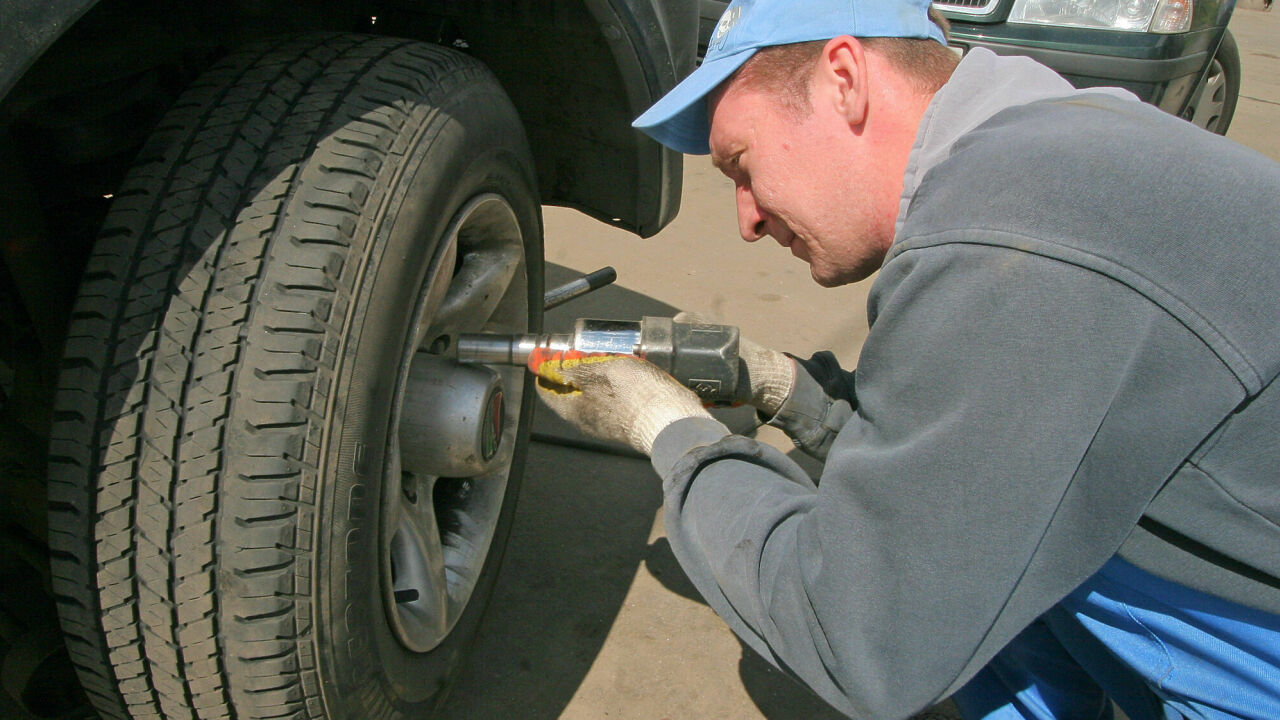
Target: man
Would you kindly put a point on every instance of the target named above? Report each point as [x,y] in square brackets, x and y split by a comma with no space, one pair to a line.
[1053,481]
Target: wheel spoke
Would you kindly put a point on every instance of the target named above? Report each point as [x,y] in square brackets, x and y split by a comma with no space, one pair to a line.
[475,293]
[490,251]
[419,588]
[1210,99]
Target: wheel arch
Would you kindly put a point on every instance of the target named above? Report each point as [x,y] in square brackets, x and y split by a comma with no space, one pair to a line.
[578,71]
[578,78]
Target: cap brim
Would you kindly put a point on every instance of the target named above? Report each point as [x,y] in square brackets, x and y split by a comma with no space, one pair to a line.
[679,119]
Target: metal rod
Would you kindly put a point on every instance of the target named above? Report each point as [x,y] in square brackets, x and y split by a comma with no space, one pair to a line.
[576,288]
[507,349]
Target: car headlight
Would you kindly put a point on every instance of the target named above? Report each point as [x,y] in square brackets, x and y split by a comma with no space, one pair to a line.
[1157,16]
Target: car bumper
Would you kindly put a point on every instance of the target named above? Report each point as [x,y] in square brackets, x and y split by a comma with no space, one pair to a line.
[1160,69]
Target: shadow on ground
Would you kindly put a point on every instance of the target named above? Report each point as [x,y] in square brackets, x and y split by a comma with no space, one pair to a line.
[575,548]
[776,695]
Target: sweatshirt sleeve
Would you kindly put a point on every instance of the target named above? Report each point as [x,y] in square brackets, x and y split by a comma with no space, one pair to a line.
[821,401]
[1014,414]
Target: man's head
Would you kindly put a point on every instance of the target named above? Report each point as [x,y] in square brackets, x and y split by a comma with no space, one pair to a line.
[679,119]
[788,69]
[814,131]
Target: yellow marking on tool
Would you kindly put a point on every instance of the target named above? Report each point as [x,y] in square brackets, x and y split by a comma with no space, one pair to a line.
[550,365]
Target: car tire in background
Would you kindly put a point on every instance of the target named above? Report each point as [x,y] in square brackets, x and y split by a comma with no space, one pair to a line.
[271,493]
[1214,102]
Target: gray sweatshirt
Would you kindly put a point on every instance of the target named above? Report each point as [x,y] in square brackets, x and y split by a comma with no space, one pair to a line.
[1073,344]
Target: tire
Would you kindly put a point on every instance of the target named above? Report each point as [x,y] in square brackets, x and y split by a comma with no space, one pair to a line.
[260,488]
[1214,102]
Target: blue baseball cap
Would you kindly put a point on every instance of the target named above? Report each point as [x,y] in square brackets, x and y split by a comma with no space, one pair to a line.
[679,120]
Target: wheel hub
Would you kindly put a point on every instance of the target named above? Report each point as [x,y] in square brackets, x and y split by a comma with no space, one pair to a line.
[454,414]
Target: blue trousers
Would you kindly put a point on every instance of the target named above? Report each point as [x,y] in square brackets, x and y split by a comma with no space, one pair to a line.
[1159,650]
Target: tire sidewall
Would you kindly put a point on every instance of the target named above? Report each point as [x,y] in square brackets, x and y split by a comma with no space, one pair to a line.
[1228,56]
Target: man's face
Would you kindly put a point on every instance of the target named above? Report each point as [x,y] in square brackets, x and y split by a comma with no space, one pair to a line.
[797,181]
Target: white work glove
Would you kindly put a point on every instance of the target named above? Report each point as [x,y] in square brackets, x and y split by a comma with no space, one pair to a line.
[613,397]
[765,377]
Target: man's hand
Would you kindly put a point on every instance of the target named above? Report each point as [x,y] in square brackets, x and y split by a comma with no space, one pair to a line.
[765,377]
[613,397]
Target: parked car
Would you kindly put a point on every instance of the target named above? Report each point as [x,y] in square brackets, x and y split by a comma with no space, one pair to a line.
[236,243]
[1174,54]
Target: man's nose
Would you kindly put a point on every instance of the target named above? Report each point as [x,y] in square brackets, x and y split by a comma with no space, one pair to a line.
[751,219]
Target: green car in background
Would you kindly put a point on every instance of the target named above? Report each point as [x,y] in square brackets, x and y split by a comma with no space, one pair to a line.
[1174,54]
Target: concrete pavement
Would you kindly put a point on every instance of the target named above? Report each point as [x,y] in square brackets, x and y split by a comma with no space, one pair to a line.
[1257,119]
[592,617]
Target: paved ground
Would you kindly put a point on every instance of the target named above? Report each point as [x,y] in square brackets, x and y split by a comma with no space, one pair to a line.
[592,617]
[1257,120]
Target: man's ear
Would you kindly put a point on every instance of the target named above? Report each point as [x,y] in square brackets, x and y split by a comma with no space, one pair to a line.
[842,80]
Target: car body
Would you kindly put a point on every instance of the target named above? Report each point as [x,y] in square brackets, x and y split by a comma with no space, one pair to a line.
[1166,69]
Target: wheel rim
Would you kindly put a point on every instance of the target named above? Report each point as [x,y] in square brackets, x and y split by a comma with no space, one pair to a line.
[440,505]
[1212,98]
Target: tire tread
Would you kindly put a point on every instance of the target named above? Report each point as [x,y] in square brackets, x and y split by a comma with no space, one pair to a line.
[198,368]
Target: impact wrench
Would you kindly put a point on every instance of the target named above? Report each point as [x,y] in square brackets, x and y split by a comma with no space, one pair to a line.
[701,356]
